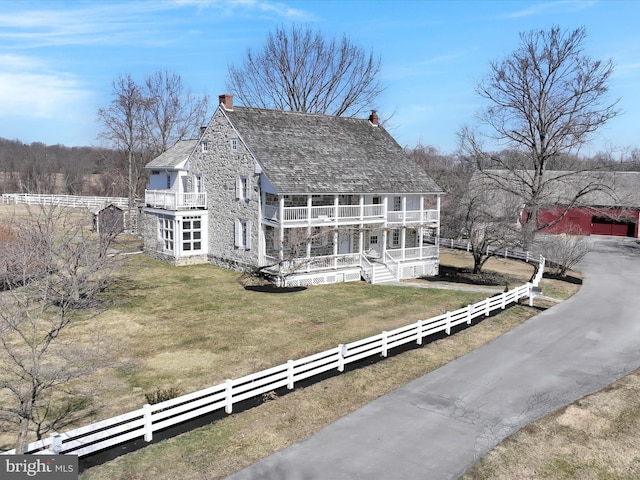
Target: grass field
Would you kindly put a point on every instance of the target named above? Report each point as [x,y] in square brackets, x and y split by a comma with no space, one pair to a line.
[192,327]
[225,331]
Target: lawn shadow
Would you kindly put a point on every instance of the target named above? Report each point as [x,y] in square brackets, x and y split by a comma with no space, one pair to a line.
[273,289]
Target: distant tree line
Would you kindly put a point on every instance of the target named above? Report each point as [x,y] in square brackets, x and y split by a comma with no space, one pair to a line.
[57,169]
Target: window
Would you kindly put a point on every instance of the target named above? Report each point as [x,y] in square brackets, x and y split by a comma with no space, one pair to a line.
[243,234]
[165,232]
[242,189]
[397,204]
[395,238]
[191,234]
[319,237]
[205,146]
[168,181]
[198,183]
[376,201]
[233,144]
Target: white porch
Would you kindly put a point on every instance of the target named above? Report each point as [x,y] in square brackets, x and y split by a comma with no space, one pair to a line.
[170,200]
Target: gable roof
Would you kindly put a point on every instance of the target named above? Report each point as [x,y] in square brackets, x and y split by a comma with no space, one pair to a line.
[175,156]
[320,154]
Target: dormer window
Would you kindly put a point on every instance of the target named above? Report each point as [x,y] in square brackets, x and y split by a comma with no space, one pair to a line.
[234,144]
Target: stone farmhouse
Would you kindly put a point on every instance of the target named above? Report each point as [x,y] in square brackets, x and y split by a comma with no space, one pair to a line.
[305,199]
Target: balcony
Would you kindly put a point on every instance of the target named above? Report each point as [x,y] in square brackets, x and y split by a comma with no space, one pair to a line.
[168,200]
[347,214]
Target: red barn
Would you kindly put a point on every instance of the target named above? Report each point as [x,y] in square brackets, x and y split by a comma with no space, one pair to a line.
[579,203]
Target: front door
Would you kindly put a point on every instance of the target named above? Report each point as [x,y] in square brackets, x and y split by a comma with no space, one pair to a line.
[344,243]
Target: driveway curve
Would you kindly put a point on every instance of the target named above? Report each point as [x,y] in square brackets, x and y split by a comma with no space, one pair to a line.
[439,425]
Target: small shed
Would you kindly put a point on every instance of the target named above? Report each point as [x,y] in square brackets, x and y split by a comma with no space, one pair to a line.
[108,219]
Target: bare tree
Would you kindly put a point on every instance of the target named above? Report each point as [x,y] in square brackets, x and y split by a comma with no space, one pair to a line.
[144,120]
[487,219]
[564,251]
[299,70]
[545,100]
[172,111]
[123,129]
[50,267]
[453,176]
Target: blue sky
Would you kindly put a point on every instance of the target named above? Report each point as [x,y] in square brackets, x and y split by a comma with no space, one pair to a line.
[58,59]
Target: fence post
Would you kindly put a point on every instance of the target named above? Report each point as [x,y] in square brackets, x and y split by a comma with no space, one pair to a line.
[342,351]
[384,343]
[503,301]
[419,332]
[469,314]
[56,443]
[290,374]
[487,310]
[505,252]
[228,396]
[530,294]
[448,329]
[148,426]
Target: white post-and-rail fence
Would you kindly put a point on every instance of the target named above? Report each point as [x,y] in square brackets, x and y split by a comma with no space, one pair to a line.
[64,200]
[73,201]
[142,423]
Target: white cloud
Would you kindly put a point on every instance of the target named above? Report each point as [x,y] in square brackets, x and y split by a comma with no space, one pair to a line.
[28,88]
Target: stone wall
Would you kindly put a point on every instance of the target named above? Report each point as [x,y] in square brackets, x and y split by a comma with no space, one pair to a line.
[221,168]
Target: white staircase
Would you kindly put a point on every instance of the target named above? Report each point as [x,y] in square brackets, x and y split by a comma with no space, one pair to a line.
[382,274]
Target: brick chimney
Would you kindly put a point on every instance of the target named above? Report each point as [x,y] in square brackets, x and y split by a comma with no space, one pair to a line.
[373,118]
[226,101]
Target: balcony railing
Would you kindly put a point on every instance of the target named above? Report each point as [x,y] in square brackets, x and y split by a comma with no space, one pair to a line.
[413,216]
[168,200]
[318,215]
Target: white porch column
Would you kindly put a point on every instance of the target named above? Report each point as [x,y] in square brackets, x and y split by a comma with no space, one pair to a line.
[336,203]
[403,238]
[404,214]
[361,240]
[361,207]
[309,204]
[281,228]
[438,210]
[422,219]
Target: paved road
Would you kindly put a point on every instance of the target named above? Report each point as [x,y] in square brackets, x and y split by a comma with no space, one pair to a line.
[439,425]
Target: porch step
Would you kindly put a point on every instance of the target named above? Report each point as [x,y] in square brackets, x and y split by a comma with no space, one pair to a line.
[383,275]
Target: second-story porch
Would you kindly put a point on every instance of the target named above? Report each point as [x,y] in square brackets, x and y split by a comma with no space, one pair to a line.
[171,200]
[319,210]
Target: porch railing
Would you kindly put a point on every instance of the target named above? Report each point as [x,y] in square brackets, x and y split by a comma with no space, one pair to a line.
[412,216]
[413,253]
[344,213]
[168,200]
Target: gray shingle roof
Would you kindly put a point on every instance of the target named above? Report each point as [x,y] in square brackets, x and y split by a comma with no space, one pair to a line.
[174,156]
[313,153]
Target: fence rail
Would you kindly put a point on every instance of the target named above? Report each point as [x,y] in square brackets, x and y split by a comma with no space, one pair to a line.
[142,423]
[64,200]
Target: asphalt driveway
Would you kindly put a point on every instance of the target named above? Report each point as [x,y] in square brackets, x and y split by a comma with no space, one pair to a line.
[439,425]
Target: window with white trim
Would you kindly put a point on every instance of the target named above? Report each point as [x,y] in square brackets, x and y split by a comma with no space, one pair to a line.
[395,238]
[233,144]
[165,232]
[191,234]
[397,204]
[243,234]
[242,189]
[205,146]
[168,181]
